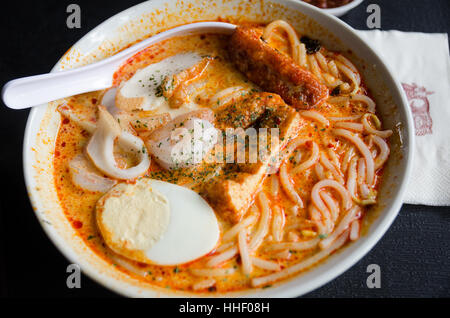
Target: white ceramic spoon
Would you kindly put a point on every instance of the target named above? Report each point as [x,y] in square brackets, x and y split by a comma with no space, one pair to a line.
[39,89]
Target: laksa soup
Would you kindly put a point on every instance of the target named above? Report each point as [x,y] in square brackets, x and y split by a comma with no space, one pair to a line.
[222,163]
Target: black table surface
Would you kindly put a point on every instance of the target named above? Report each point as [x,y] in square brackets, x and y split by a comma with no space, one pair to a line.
[414,255]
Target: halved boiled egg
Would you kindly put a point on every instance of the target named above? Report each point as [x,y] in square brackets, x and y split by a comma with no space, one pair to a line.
[156,222]
[143,90]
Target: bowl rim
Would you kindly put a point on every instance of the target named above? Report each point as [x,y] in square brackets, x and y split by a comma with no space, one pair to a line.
[343,9]
[357,254]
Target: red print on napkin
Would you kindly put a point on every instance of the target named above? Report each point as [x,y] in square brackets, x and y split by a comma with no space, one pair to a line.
[420,106]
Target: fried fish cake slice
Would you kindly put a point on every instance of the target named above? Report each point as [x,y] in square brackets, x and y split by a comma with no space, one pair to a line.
[274,71]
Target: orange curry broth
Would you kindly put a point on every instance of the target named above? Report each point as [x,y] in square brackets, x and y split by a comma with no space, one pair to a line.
[79,205]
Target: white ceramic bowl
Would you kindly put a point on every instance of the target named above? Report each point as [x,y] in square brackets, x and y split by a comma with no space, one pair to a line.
[149,17]
[340,11]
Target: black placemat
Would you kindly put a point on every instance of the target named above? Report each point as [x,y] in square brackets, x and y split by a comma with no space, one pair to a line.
[414,255]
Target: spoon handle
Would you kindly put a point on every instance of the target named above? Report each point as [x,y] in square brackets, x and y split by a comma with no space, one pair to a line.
[39,89]
[36,90]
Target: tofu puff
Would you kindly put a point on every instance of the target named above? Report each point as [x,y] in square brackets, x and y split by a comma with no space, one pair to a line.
[234,189]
